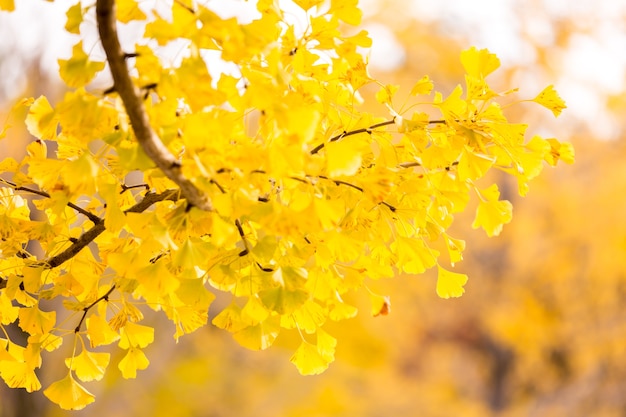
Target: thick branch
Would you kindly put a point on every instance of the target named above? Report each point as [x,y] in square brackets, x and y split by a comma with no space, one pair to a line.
[130,95]
[89,236]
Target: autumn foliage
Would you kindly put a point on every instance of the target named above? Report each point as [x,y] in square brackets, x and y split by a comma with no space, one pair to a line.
[271,184]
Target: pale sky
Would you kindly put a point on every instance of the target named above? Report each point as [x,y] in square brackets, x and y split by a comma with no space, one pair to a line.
[591,67]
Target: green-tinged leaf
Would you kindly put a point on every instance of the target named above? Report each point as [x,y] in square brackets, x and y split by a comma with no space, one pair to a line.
[259,336]
[314,359]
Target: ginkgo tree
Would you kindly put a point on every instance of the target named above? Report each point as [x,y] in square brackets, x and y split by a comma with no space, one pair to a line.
[271,185]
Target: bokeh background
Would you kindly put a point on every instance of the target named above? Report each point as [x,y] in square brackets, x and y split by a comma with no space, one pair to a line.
[541,330]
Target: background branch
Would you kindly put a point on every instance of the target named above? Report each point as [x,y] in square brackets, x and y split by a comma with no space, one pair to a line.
[131,97]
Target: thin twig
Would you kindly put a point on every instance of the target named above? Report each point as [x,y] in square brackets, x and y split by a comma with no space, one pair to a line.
[130,187]
[131,97]
[86,309]
[340,182]
[352,132]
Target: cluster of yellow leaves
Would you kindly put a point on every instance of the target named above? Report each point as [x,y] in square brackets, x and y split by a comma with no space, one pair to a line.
[314,199]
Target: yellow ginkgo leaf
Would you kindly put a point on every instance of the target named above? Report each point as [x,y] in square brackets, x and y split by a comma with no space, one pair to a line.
[74,18]
[309,360]
[260,336]
[189,254]
[531,161]
[34,321]
[363,40]
[230,319]
[128,10]
[42,121]
[254,311]
[187,319]
[303,122]
[473,165]
[414,257]
[135,360]
[329,212]
[136,335]
[423,87]
[49,341]
[89,366]
[18,374]
[347,10]
[78,70]
[326,345]
[14,206]
[99,332]
[386,93]
[8,5]
[455,248]
[282,300]
[550,99]
[559,151]
[492,215]
[32,278]
[309,317]
[342,311]
[69,394]
[479,63]
[308,4]
[450,284]
[156,281]
[8,312]
[343,158]
[358,76]
[14,114]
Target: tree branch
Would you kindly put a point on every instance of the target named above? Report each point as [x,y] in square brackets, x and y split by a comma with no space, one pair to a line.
[363,130]
[352,132]
[130,95]
[79,209]
[90,306]
[89,236]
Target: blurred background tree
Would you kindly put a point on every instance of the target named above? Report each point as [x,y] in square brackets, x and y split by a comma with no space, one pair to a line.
[541,328]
